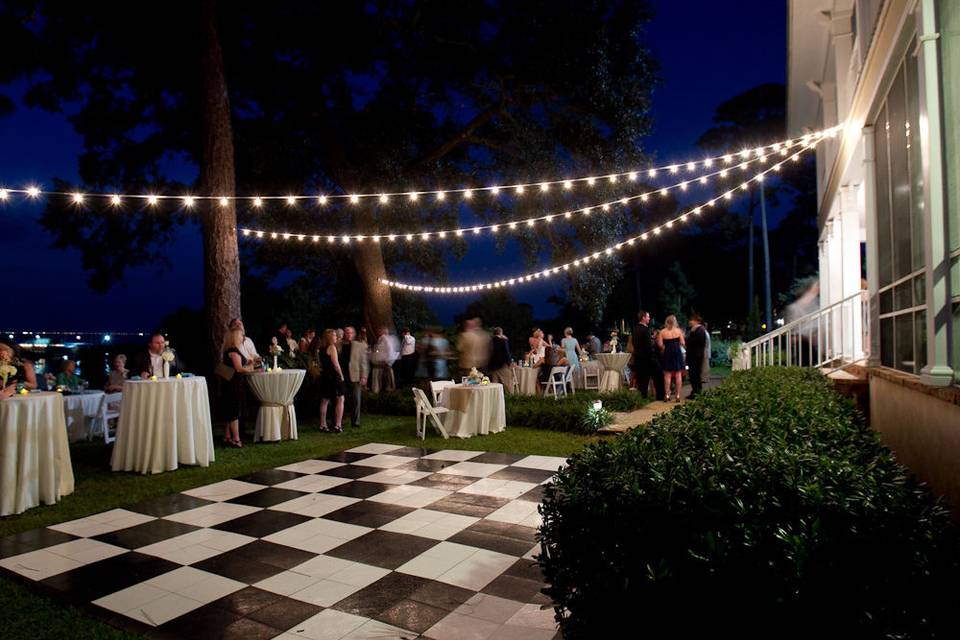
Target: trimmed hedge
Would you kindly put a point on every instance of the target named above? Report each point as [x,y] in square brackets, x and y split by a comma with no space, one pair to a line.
[764,508]
[570,414]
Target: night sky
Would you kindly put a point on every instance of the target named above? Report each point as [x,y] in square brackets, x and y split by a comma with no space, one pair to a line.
[708,51]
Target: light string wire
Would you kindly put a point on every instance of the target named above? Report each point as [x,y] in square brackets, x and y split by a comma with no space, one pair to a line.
[439,195]
[587,259]
[494,228]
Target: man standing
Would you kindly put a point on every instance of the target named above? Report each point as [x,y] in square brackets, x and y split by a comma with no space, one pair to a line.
[696,345]
[355,368]
[645,362]
[408,358]
[385,353]
[500,360]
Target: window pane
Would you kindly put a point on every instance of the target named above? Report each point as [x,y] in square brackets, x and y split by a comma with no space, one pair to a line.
[949,28]
[899,177]
[920,290]
[903,343]
[920,336]
[917,208]
[903,295]
[886,301]
[884,252]
[886,342]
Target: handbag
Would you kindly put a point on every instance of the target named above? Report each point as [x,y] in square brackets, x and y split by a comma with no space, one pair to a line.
[224,371]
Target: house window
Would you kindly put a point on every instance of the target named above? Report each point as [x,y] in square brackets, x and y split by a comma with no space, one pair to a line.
[900,218]
[948,24]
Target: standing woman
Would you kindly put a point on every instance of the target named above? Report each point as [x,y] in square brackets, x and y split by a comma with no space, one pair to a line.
[232,392]
[331,381]
[670,341]
[571,346]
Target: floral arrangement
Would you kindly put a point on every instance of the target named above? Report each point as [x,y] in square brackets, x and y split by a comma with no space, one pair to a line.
[168,354]
[275,348]
[475,377]
[614,341]
[6,370]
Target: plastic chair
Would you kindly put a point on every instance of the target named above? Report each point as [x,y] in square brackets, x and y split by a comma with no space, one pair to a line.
[555,382]
[427,411]
[107,414]
[568,380]
[591,378]
[514,381]
[436,388]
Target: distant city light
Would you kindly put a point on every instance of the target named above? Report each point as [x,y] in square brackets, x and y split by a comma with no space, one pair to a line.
[106,337]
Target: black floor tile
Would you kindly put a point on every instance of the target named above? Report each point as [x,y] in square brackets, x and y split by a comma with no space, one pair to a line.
[513,588]
[381,595]
[205,622]
[536,476]
[412,615]
[238,568]
[506,530]
[442,595]
[168,505]
[444,481]
[468,504]
[420,464]
[146,533]
[247,629]
[98,579]
[493,457]
[32,540]
[526,569]
[285,613]
[383,549]
[490,542]
[262,523]
[351,471]
[270,477]
[346,456]
[369,514]
[410,452]
[534,495]
[277,555]
[362,490]
[247,601]
[267,497]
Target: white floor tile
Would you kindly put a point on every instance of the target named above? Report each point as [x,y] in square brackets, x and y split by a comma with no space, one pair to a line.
[425,523]
[436,561]
[86,551]
[39,565]
[327,625]
[508,489]
[359,574]
[518,512]
[179,579]
[546,463]
[490,608]
[396,476]
[410,496]
[511,632]
[459,627]
[163,609]
[210,515]
[322,566]
[325,593]
[313,483]
[375,447]
[224,490]
[212,588]
[473,469]
[532,616]
[287,582]
[195,546]
[478,570]
[383,461]
[131,598]
[376,630]
[453,455]
[311,466]
[315,505]
[101,523]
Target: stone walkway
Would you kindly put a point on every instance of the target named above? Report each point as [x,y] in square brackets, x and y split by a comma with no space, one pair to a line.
[625,421]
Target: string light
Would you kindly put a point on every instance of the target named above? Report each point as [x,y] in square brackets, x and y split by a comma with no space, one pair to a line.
[577,262]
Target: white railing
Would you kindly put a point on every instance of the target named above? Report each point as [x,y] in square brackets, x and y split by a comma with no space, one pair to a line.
[829,338]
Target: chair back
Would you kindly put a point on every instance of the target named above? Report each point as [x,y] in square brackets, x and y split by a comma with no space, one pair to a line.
[437,387]
[420,398]
[557,374]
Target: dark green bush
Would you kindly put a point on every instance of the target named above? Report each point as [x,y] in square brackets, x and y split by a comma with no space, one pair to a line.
[764,508]
[389,403]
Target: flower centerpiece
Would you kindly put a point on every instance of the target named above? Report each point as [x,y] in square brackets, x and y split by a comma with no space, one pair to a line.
[275,350]
[6,371]
[614,341]
[475,377]
[168,355]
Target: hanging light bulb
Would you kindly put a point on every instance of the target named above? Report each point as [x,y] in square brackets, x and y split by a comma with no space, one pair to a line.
[115,200]
[224,202]
[291,200]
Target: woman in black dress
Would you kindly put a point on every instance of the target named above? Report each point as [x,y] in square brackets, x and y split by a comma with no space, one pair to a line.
[232,393]
[331,381]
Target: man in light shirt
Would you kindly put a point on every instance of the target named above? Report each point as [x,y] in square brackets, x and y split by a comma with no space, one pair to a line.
[408,358]
[384,354]
[247,349]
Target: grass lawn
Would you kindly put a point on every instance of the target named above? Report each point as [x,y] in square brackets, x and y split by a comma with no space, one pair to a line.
[28,616]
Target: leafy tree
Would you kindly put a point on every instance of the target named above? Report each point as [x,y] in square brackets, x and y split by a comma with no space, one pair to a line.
[676,293]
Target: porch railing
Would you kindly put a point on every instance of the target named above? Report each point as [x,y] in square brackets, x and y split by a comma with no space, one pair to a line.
[830,338]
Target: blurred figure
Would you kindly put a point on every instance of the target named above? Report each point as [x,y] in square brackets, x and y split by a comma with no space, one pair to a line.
[436,350]
[247,349]
[696,342]
[231,396]
[593,346]
[291,344]
[355,368]
[331,381]
[25,373]
[500,359]
[68,377]
[474,346]
[385,353]
[362,336]
[670,341]
[118,374]
[408,357]
[307,338]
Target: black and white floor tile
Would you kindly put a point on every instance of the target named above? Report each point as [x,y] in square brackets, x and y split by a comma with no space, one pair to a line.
[379,541]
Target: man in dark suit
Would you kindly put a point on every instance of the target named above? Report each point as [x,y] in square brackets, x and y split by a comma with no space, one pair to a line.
[696,350]
[149,362]
[500,359]
[645,362]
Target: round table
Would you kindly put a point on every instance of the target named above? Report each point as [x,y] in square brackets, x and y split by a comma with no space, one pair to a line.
[34,453]
[80,409]
[277,417]
[163,423]
[474,409]
[613,364]
[526,380]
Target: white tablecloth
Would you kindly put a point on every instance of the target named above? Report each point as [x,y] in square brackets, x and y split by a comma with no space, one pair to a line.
[527,379]
[613,364]
[80,411]
[34,453]
[163,423]
[277,417]
[476,409]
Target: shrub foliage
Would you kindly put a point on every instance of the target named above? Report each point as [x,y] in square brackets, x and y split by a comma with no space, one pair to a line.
[764,508]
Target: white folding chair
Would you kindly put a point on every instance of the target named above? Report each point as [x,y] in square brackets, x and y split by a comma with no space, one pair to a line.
[109,412]
[568,380]
[426,411]
[514,381]
[591,378]
[555,383]
[436,388]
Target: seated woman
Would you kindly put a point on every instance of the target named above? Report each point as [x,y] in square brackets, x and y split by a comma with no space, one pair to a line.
[68,378]
[23,370]
[538,347]
[118,374]
[551,358]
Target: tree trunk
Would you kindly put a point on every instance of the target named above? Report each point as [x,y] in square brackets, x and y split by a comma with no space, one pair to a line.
[221,266]
[377,298]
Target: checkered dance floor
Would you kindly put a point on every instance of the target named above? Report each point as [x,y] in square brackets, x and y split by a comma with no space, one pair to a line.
[376,542]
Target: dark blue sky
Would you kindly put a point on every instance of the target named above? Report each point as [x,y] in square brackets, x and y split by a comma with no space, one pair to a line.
[708,51]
